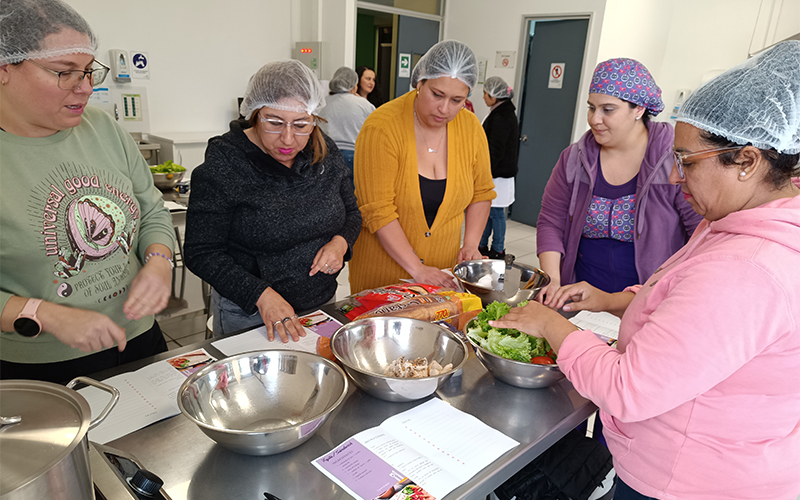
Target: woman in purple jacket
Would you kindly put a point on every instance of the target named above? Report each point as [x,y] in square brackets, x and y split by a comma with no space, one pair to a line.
[609,215]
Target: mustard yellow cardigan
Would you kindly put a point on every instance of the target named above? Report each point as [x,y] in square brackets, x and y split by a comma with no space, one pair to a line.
[387,188]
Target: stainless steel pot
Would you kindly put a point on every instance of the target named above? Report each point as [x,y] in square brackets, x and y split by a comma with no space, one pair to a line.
[45,453]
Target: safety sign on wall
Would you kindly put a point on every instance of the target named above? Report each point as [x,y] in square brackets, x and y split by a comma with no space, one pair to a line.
[556,76]
[405,66]
[140,65]
[505,59]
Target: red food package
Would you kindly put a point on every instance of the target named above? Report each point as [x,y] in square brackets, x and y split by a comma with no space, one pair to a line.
[376,297]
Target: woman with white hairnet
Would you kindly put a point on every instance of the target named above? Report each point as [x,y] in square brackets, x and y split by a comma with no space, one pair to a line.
[502,132]
[701,399]
[272,218]
[86,247]
[422,166]
[344,112]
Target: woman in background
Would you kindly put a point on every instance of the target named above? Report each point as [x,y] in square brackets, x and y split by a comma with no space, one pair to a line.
[86,247]
[502,133]
[422,165]
[700,399]
[272,217]
[344,113]
[367,86]
[609,214]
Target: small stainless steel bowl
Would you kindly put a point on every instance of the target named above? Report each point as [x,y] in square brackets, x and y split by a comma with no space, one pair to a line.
[491,280]
[167,180]
[263,402]
[367,346]
[517,373]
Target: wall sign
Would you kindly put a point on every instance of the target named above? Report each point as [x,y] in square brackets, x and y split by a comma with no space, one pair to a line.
[505,59]
[556,78]
[404,71]
[140,65]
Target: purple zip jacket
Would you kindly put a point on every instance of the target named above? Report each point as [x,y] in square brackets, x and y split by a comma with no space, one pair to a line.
[664,219]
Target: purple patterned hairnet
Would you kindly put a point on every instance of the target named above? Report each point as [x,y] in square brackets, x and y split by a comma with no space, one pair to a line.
[629,80]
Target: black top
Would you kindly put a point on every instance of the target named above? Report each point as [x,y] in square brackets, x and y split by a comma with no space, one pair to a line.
[502,132]
[253,223]
[432,191]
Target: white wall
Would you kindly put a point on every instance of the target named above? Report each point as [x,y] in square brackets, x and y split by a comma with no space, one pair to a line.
[681,42]
[500,28]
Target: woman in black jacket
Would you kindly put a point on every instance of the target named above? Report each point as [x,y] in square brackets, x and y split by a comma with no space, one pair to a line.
[502,132]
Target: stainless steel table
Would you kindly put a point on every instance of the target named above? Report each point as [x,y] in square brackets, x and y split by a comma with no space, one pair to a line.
[195,467]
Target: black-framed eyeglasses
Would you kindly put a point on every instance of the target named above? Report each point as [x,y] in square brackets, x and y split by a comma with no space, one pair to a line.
[72,79]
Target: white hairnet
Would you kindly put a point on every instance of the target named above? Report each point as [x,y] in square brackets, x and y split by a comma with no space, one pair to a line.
[498,88]
[24,24]
[285,85]
[756,102]
[343,80]
[447,58]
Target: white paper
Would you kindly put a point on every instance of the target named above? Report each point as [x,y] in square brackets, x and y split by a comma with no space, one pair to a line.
[146,396]
[434,445]
[256,340]
[603,324]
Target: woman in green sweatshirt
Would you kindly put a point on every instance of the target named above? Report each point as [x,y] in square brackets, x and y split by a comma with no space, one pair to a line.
[85,240]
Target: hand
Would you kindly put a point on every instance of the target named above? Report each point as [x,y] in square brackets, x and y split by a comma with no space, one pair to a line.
[433,276]
[469,253]
[537,320]
[584,297]
[274,310]
[330,258]
[150,290]
[80,328]
[545,295]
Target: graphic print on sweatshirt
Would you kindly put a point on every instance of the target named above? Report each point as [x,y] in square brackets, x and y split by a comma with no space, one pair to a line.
[86,219]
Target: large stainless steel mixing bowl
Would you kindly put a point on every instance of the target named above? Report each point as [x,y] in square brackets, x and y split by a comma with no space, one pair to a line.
[367,346]
[263,402]
[517,373]
[492,279]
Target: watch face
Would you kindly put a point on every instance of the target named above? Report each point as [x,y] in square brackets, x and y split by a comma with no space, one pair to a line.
[26,327]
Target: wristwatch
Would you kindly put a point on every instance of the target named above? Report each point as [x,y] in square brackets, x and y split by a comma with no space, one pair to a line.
[27,323]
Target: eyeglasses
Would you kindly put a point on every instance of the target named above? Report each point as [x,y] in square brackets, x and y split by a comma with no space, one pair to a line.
[72,79]
[276,126]
[699,155]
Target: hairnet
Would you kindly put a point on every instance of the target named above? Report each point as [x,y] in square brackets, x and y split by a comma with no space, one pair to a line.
[756,102]
[343,80]
[498,88]
[24,24]
[447,58]
[286,85]
[629,80]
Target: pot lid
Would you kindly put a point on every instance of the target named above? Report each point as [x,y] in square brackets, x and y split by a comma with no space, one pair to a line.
[54,421]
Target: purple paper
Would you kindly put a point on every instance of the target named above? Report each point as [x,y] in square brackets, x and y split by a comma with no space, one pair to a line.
[366,474]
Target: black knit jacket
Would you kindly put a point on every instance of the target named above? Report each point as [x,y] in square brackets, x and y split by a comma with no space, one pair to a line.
[253,223]
[502,132]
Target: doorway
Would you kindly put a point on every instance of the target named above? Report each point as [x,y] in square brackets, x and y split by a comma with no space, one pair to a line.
[553,61]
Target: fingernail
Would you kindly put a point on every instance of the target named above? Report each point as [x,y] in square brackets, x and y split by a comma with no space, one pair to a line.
[567,308]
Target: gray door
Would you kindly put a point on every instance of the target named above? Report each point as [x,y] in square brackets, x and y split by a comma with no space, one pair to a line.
[414,36]
[546,114]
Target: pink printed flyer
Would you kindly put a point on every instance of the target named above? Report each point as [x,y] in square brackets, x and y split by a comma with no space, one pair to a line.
[320,323]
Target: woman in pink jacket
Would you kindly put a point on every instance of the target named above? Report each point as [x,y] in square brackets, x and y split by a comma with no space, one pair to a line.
[701,400]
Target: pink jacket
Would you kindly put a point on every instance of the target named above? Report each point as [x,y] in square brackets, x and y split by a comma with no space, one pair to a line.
[702,400]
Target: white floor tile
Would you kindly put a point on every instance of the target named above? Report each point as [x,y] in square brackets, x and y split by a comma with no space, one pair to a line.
[521,247]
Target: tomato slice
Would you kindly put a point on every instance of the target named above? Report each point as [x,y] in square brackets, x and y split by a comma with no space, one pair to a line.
[542,360]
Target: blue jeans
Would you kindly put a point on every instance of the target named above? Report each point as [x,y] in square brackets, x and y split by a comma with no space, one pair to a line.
[229,318]
[625,492]
[496,223]
[349,159]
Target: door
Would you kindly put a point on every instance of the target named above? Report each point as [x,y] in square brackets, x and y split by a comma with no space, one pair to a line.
[414,36]
[546,113]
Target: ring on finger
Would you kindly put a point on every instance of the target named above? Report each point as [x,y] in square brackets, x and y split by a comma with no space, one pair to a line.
[287,318]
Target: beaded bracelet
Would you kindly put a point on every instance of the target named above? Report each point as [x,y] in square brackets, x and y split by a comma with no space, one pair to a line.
[153,254]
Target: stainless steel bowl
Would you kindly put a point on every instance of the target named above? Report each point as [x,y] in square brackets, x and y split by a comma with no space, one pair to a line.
[491,279]
[168,180]
[263,402]
[517,373]
[367,346]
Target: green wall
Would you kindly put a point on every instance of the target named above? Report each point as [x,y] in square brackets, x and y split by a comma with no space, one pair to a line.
[365,40]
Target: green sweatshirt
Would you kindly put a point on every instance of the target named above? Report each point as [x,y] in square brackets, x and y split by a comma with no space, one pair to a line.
[78,209]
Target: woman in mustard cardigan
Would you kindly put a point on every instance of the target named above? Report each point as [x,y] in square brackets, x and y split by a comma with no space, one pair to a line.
[421,164]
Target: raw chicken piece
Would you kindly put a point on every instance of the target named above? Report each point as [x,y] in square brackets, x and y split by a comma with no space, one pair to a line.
[419,368]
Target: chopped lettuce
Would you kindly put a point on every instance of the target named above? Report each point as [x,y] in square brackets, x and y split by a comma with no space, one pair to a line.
[167,167]
[505,342]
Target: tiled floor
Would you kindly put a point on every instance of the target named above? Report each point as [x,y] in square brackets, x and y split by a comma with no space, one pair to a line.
[187,325]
